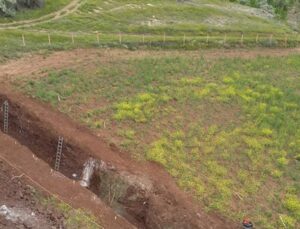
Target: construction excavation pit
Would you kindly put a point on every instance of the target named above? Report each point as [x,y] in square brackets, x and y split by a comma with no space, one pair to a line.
[141,193]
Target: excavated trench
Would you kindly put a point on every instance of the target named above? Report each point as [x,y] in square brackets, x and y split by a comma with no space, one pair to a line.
[143,202]
[123,192]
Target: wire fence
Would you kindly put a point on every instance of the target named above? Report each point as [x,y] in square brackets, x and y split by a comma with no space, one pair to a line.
[40,39]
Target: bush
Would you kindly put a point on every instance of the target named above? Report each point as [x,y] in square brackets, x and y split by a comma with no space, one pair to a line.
[9,7]
[29,3]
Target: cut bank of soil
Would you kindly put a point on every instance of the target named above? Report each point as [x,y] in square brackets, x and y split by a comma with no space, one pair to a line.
[145,194]
[40,175]
[15,194]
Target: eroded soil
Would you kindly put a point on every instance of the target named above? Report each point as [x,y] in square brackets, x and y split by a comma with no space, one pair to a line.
[19,205]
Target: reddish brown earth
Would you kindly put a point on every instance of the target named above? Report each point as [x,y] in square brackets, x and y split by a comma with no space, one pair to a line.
[39,174]
[16,194]
[35,127]
[84,58]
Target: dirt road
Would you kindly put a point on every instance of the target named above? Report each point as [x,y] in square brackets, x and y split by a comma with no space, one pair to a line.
[84,58]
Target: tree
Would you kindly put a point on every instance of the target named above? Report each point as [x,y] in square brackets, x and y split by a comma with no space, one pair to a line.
[30,3]
[9,7]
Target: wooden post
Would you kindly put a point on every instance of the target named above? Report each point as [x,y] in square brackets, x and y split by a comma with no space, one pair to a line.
[120,38]
[49,39]
[72,36]
[285,40]
[23,39]
[242,39]
[98,38]
[271,39]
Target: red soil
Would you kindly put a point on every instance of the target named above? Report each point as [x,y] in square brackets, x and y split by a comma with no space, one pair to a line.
[167,207]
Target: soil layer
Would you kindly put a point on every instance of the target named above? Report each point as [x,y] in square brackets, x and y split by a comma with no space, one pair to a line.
[158,204]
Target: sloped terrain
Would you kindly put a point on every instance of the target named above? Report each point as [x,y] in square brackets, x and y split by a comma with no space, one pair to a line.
[180,139]
[226,150]
[175,17]
[19,205]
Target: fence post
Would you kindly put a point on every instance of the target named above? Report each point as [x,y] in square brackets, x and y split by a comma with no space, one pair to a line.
[271,39]
[242,39]
[23,39]
[120,38]
[72,36]
[49,39]
[98,38]
[285,40]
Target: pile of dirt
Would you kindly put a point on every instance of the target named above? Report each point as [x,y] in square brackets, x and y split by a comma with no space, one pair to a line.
[20,206]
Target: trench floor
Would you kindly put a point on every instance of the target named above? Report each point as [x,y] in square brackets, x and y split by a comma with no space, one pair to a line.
[41,176]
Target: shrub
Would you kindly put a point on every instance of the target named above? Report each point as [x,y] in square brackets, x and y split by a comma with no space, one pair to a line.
[9,7]
[289,221]
[292,203]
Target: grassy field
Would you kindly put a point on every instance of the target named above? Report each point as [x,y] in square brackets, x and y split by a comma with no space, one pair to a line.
[156,17]
[152,24]
[227,130]
[13,46]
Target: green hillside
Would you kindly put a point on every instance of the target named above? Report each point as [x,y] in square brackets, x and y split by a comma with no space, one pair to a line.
[171,24]
[192,17]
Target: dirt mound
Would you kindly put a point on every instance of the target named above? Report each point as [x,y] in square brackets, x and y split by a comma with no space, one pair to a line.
[143,193]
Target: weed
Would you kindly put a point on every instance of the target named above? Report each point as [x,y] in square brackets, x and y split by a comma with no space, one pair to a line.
[224,130]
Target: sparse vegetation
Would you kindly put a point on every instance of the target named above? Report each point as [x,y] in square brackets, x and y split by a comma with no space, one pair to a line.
[226,130]
[74,218]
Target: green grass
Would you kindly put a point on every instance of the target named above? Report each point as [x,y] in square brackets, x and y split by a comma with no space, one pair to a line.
[227,130]
[12,44]
[152,24]
[155,17]
[73,218]
[50,7]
